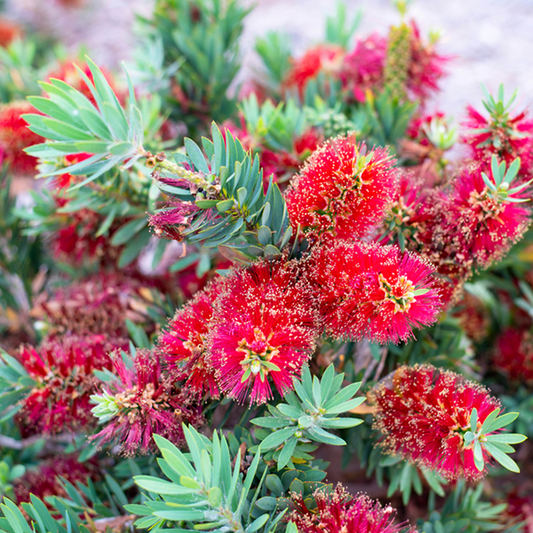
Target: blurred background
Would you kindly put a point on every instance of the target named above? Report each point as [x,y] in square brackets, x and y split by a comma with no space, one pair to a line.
[491,40]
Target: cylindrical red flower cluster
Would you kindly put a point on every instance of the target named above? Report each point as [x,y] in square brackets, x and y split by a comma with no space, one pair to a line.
[423,414]
[265,326]
[338,511]
[514,355]
[372,291]
[343,190]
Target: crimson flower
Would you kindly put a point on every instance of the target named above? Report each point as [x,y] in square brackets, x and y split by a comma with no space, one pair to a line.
[63,372]
[499,134]
[514,355]
[339,511]
[44,481]
[264,327]
[100,303]
[342,190]
[15,136]
[480,222]
[142,403]
[183,345]
[322,58]
[424,413]
[362,69]
[372,291]
[426,66]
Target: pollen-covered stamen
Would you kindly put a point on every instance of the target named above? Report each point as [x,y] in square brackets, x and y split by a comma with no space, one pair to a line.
[258,355]
[401,293]
[490,205]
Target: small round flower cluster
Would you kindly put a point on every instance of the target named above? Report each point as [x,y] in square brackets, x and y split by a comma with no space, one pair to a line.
[424,413]
[338,510]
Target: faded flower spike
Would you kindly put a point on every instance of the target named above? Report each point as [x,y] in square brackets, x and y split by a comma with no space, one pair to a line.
[342,190]
[338,511]
[265,329]
[140,403]
[437,419]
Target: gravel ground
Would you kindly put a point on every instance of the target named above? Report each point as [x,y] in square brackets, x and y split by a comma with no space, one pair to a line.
[491,40]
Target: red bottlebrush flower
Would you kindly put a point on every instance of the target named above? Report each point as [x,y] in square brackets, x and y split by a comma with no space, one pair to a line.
[362,69]
[173,220]
[9,31]
[64,380]
[342,190]
[473,317]
[264,326]
[338,511]
[15,136]
[68,73]
[143,404]
[100,303]
[372,291]
[424,412]
[44,481]
[500,134]
[184,345]
[482,223]
[514,355]
[322,58]
[426,66]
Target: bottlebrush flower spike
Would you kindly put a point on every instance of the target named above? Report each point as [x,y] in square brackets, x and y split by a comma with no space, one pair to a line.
[100,303]
[426,66]
[322,58]
[342,190]
[15,136]
[514,355]
[439,420]
[44,481]
[142,403]
[64,380]
[338,511]
[484,213]
[183,345]
[362,69]
[372,291]
[500,134]
[265,327]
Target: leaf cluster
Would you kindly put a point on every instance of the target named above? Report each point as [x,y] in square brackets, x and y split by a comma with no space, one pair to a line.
[311,410]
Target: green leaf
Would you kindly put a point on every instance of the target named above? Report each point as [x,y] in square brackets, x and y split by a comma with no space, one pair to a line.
[196,156]
[128,231]
[286,453]
[506,438]
[502,458]
[277,438]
